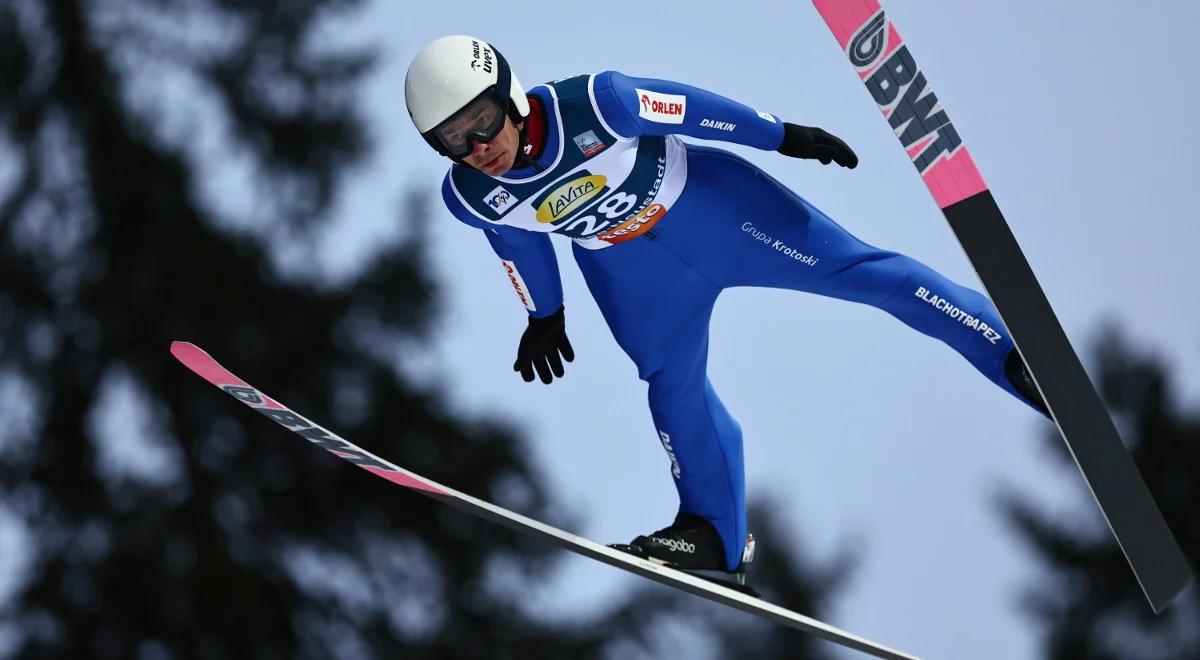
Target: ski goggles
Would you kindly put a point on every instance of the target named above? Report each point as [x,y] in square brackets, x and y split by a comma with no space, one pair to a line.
[481,120]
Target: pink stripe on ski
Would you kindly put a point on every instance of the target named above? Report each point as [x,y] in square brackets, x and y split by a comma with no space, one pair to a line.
[196,359]
[844,17]
[199,361]
[951,179]
[204,365]
[954,179]
[404,479]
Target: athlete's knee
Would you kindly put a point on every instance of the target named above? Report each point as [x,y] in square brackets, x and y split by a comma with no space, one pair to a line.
[871,277]
[668,385]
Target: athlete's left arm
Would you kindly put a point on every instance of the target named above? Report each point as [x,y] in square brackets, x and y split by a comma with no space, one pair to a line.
[647,106]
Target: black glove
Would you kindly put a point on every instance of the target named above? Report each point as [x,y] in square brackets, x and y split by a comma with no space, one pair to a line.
[808,142]
[540,346]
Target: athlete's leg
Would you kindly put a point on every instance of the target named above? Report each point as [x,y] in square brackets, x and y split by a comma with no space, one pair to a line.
[766,235]
[658,309]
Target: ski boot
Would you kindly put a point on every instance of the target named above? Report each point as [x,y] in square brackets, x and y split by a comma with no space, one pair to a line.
[691,545]
[1018,375]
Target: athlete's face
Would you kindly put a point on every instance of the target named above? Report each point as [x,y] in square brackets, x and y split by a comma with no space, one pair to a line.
[495,158]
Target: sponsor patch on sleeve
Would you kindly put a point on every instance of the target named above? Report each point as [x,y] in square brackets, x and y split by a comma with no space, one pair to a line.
[518,283]
[661,108]
[717,125]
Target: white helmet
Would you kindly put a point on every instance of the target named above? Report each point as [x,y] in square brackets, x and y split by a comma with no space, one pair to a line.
[459,89]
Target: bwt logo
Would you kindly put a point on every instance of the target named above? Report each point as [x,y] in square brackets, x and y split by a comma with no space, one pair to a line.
[868,43]
[901,91]
[306,429]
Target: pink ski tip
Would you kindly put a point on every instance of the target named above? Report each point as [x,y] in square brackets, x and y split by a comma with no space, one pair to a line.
[194,358]
[183,350]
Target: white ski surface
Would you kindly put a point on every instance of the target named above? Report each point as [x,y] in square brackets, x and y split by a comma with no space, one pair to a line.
[207,368]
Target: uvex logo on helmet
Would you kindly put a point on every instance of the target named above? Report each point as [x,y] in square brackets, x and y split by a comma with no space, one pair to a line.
[481,57]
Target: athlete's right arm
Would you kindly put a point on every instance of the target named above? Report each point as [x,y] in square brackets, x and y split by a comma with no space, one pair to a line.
[528,258]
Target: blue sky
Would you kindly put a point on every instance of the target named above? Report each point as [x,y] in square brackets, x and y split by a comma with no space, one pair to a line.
[863,432]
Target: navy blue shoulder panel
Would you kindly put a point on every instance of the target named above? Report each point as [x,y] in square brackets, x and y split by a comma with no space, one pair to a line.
[574,135]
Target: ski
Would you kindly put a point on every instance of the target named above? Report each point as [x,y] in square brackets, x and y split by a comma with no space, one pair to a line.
[207,368]
[887,68]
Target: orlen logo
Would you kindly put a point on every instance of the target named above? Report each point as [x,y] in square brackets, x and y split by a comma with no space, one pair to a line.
[901,91]
[661,108]
[570,196]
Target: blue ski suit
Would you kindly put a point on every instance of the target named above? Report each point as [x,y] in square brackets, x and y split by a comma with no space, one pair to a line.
[661,227]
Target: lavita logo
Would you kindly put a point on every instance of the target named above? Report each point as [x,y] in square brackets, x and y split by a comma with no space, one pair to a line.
[570,196]
[901,91]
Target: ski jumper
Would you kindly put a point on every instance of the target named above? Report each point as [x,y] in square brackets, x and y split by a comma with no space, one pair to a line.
[661,227]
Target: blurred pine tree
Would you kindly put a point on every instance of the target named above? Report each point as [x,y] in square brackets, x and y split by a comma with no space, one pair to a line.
[163,520]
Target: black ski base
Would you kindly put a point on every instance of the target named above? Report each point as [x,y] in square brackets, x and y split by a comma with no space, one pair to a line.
[1131,512]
